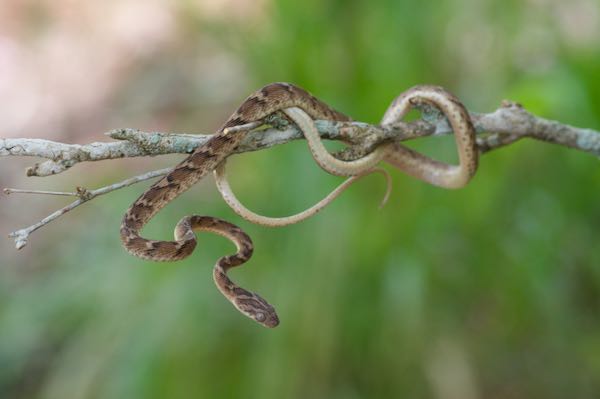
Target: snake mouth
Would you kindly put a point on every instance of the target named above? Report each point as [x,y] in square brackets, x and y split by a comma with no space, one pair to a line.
[272,322]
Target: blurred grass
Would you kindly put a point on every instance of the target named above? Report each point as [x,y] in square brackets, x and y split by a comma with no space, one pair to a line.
[491,291]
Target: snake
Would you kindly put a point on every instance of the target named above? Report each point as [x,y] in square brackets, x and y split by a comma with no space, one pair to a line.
[409,161]
[208,157]
[203,160]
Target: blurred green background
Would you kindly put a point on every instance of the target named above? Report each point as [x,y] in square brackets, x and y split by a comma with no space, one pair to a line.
[492,291]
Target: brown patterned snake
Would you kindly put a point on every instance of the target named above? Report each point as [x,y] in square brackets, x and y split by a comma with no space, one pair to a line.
[271,98]
[203,160]
[407,160]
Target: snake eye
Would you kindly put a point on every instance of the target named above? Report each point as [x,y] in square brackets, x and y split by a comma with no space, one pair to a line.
[260,316]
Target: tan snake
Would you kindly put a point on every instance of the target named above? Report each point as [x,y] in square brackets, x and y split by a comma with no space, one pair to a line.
[400,156]
[271,98]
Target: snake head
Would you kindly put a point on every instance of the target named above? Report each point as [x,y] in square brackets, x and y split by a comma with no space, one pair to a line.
[259,310]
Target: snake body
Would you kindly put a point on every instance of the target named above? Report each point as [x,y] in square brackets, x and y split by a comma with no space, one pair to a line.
[299,106]
[425,168]
[202,161]
[396,154]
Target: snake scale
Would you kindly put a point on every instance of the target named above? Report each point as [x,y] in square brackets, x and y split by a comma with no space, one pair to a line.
[209,157]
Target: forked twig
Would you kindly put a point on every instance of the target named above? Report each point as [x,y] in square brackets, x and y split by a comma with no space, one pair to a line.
[22,236]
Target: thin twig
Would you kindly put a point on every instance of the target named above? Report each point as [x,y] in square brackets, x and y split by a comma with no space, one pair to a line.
[22,236]
[8,191]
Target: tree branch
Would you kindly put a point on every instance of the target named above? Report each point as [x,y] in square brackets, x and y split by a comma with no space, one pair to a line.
[497,129]
[507,124]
